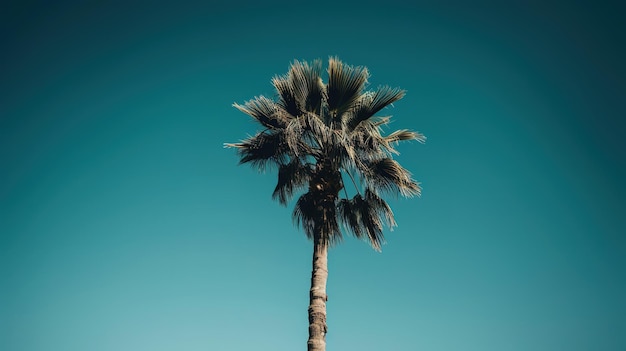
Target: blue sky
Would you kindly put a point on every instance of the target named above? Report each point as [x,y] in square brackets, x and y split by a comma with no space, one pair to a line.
[125,225]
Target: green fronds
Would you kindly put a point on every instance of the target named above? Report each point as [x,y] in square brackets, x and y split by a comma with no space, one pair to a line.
[363,216]
[370,103]
[387,175]
[292,177]
[345,85]
[265,111]
[301,89]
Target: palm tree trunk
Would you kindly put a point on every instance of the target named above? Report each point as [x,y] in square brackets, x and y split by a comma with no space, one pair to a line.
[318,298]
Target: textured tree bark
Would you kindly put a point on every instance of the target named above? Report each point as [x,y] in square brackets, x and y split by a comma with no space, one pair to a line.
[318,298]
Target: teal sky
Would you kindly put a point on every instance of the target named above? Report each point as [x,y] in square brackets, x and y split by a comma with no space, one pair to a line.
[125,225]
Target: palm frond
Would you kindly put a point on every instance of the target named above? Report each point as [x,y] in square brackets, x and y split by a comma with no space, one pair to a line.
[291,178]
[305,214]
[363,217]
[317,219]
[329,231]
[371,102]
[285,90]
[380,207]
[405,134]
[350,215]
[345,84]
[380,121]
[368,142]
[293,135]
[374,209]
[265,111]
[317,131]
[338,149]
[301,89]
[262,149]
[390,140]
[307,84]
[386,174]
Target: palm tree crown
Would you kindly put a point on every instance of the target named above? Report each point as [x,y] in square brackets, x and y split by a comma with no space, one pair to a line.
[319,135]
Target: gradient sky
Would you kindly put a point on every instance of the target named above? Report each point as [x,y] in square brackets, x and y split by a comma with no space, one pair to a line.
[125,224]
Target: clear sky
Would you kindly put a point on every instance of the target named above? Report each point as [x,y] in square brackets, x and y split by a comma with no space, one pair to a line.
[125,224]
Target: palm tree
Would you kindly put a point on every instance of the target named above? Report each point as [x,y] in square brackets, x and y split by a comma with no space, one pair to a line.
[318,136]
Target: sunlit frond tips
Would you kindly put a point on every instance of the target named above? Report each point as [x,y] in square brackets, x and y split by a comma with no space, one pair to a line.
[315,133]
